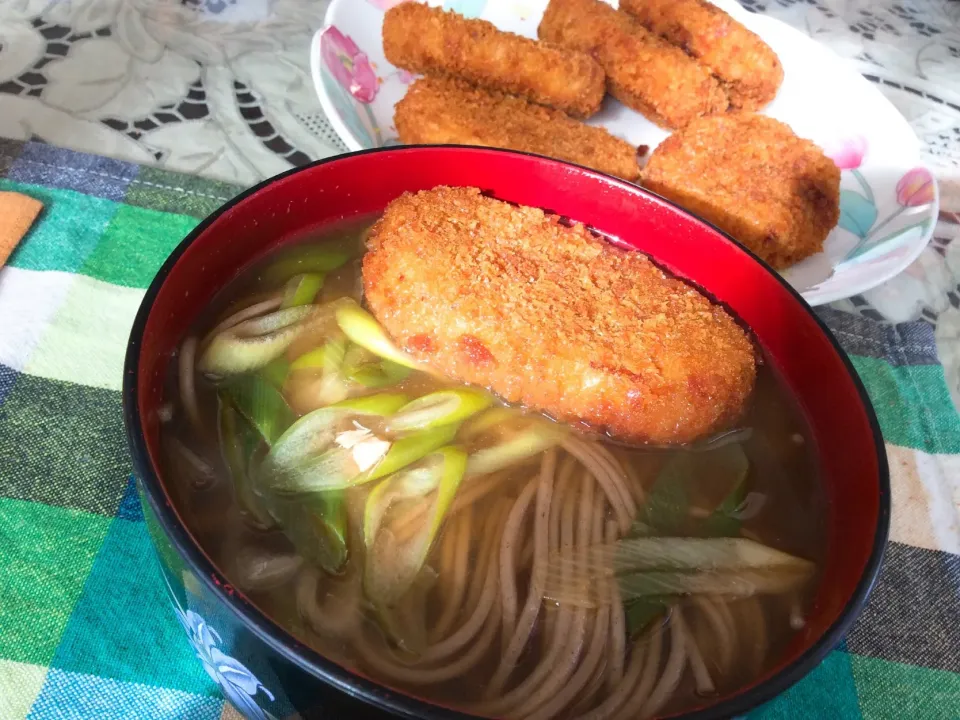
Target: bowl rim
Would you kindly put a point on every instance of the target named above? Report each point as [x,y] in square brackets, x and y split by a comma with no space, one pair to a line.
[381,696]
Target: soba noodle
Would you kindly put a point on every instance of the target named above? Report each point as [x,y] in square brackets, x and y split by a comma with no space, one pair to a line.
[504,606]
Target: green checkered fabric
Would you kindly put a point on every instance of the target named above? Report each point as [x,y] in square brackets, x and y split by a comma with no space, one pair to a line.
[86,630]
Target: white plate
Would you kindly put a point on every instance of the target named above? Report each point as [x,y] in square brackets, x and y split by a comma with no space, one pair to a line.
[888,203]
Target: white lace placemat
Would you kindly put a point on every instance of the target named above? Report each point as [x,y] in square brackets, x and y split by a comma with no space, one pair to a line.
[214,87]
[910,49]
[222,87]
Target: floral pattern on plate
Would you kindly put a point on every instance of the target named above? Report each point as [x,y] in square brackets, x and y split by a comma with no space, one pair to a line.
[914,192]
[352,83]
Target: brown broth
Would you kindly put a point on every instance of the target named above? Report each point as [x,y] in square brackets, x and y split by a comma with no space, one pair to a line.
[782,486]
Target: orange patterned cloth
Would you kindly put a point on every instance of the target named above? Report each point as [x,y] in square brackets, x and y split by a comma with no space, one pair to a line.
[17,213]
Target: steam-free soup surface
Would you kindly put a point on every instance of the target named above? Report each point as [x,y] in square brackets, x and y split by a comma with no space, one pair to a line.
[478,555]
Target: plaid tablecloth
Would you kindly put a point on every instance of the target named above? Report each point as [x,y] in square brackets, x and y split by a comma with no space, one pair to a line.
[85,628]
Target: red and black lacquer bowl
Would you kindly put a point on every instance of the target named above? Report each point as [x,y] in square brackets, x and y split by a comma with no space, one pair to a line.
[261,668]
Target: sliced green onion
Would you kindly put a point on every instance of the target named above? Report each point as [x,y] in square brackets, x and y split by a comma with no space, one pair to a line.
[409,484]
[697,554]
[307,395]
[688,475]
[305,260]
[364,368]
[638,614]
[275,372]
[379,404]
[329,513]
[317,527]
[744,583]
[724,521]
[301,290]
[377,375]
[335,460]
[239,441]
[410,449]
[313,360]
[495,418]
[687,554]
[668,502]
[329,448]
[391,568]
[311,433]
[253,343]
[333,469]
[363,329]
[435,409]
[341,375]
[526,443]
[651,566]
[261,404]
[328,357]
[330,387]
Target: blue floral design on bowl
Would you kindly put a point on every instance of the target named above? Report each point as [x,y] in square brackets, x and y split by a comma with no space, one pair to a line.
[238,684]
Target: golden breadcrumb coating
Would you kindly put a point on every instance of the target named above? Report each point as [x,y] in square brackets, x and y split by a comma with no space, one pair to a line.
[432,41]
[644,72]
[748,68]
[554,318]
[752,177]
[441,111]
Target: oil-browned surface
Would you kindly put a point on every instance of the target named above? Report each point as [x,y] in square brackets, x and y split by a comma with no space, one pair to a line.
[437,110]
[752,177]
[749,69]
[644,71]
[432,41]
[554,318]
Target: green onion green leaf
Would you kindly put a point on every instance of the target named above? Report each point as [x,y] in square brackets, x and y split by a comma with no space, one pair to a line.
[261,404]
[301,290]
[363,329]
[252,344]
[435,409]
[392,567]
[305,260]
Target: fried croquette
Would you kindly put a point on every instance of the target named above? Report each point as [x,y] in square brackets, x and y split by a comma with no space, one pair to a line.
[438,110]
[551,316]
[644,72]
[432,41]
[752,177]
[748,68]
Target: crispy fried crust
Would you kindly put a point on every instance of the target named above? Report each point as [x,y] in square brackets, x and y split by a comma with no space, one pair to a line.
[431,41]
[554,318]
[644,72]
[752,177]
[749,69]
[436,110]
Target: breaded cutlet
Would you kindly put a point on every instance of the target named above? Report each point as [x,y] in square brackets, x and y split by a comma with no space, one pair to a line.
[433,41]
[439,110]
[644,72]
[749,69]
[554,318]
[752,177]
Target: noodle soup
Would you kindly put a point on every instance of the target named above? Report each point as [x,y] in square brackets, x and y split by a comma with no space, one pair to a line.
[479,555]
